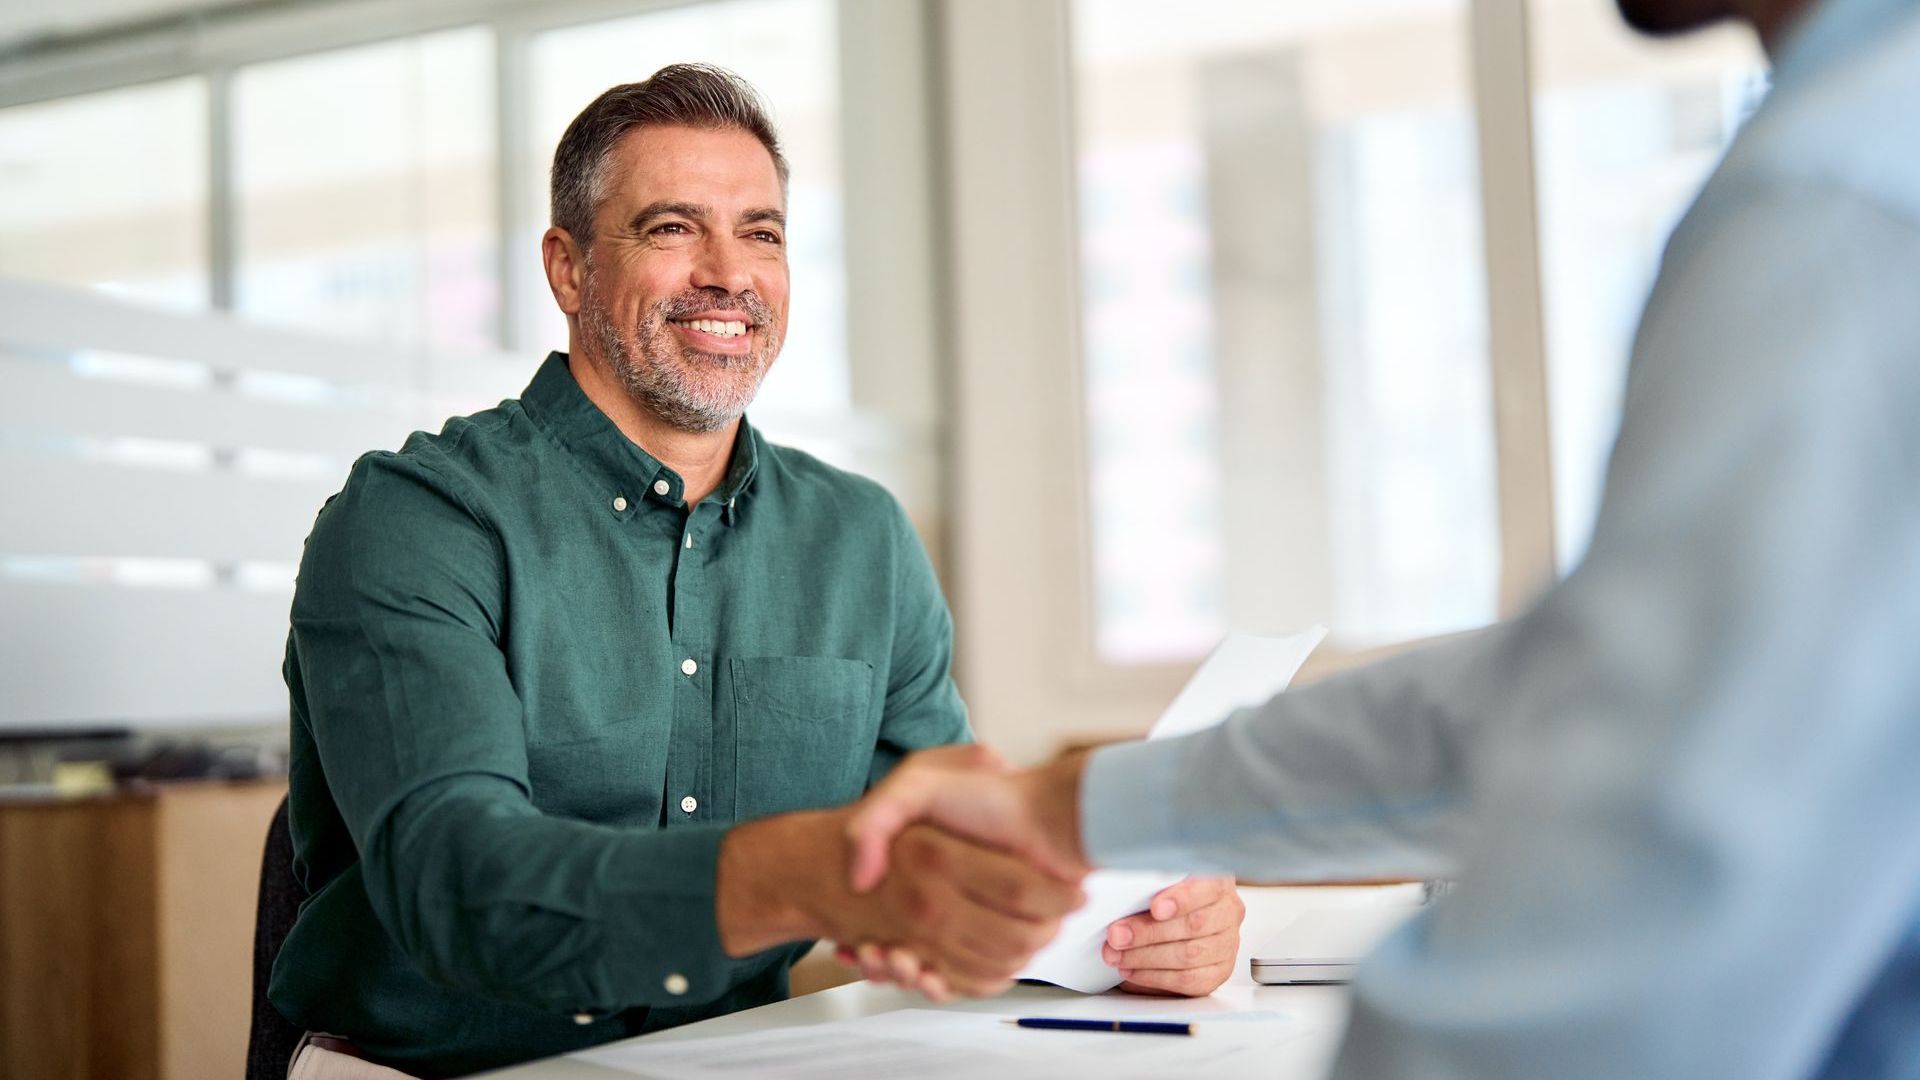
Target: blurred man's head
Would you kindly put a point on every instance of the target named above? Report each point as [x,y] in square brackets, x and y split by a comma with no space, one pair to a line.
[1678,16]
[668,244]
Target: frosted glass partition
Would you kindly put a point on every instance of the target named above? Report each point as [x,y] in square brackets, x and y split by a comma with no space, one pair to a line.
[161,472]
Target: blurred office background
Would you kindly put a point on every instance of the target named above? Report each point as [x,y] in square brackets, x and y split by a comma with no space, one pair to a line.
[1162,319]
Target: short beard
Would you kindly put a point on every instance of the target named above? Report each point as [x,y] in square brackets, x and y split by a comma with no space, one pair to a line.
[663,376]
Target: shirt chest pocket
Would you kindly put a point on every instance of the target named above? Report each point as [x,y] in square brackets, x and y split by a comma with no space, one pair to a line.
[803,734]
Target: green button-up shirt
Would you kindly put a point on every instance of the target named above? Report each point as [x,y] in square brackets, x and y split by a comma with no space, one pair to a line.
[531,690]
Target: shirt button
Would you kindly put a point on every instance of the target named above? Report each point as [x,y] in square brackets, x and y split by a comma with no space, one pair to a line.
[689,539]
[688,667]
[676,984]
[661,487]
[689,804]
[583,1019]
[619,504]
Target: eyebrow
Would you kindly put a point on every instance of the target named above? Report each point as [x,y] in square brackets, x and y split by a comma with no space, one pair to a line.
[665,208]
[672,208]
[764,214]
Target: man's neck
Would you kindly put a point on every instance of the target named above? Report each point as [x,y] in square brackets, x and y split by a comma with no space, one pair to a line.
[701,458]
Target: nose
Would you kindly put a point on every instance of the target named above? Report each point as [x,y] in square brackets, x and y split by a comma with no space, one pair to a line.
[721,265]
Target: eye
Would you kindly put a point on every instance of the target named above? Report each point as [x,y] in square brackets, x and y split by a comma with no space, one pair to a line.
[671,228]
[765,236]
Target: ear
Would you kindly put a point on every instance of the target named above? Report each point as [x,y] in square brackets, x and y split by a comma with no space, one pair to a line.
[566,267]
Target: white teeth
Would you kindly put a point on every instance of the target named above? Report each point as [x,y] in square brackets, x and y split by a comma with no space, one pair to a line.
[716,327]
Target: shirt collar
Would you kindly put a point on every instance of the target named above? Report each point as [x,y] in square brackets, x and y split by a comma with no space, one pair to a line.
[1830,29]
[630,475]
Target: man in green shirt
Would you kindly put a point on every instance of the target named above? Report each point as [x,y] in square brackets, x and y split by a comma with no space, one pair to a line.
[572,680]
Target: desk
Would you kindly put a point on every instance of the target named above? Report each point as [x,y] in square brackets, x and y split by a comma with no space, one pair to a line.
[1318,1012]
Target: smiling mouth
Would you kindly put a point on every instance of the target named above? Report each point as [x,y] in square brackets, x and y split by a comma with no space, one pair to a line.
[716,327]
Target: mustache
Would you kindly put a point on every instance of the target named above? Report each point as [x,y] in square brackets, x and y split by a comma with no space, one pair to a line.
[746,302]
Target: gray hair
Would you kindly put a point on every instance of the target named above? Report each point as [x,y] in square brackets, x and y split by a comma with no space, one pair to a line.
[682,95]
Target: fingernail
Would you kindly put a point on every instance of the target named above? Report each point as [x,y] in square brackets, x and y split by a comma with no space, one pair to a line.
[1120,936]
[1163,909]
[1111,955]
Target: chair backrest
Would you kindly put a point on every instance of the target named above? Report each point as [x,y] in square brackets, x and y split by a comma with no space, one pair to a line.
[273,1039]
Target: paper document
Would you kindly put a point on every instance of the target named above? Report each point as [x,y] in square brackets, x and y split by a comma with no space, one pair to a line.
[930,1044]
[1243,670]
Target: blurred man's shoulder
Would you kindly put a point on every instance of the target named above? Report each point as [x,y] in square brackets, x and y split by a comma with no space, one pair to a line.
[1849,126]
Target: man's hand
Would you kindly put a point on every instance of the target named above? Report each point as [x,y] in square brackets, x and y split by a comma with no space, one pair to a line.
[971,916]
[965,790]
[1185,943]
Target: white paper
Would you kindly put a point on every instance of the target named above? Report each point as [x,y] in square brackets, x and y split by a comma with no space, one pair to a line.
[929,1044]
[1072,958]
[1242,670]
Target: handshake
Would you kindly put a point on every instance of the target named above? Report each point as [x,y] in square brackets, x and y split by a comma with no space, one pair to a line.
[950,875]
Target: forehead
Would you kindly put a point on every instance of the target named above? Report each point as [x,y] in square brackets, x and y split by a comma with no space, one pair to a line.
[725,169]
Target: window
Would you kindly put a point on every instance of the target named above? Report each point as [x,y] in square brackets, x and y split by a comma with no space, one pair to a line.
[1286,389]
[1625,131]
[109,190]
[788,50]
[365,191]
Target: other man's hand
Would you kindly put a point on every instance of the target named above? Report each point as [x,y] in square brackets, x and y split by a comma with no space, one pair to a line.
[1185,943]
[1033,814]
[971,916]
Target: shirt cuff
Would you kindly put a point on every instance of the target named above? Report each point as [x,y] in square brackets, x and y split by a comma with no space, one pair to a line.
[663,946]
[1127,818]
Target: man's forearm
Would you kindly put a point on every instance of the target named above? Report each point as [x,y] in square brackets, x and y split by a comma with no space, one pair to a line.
[770,876]
[1359,775]
[483,892]
[1053,792]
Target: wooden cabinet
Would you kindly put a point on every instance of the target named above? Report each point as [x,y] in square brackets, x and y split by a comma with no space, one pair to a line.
[126,932]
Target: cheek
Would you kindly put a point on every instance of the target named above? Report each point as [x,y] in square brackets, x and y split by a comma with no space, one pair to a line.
[778,338]
[620,301]
[775,287]
[644,282]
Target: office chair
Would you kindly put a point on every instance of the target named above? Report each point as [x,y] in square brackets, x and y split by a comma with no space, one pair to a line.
[271,1042]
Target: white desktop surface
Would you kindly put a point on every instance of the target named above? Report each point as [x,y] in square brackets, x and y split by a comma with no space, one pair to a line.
[1317,1013]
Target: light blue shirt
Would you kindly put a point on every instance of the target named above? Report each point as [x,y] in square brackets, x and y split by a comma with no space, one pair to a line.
[1682,791]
